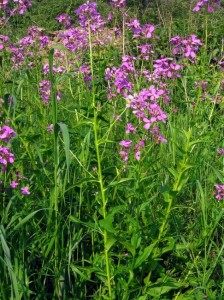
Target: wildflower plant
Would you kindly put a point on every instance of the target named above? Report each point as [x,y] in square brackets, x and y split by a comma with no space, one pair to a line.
[111,155]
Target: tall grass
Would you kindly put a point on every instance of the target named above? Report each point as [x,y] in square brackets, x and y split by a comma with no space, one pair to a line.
[100,211]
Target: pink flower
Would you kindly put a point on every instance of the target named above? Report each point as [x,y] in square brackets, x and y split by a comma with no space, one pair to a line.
[130,128]
[219,191]
[50,128]
[220,151]
[125,143]
[118,3]
[14,184]
[25,190]
[6,133]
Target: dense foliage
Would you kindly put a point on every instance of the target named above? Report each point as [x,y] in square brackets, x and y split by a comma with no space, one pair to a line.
[111,149]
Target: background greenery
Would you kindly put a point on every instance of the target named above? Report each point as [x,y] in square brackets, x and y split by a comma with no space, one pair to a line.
[90,230]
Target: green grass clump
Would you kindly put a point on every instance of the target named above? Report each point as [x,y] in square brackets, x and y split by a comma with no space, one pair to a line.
[97,219]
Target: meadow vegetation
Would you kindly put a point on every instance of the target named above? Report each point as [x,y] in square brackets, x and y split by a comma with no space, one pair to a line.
[111,150]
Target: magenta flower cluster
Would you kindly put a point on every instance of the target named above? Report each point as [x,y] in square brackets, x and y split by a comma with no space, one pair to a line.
[27,46]
[6,157]
[64,20]
[219,192]
[146,51]
[89,17]
[186,47]
[148,112]
[75,39]
[143,32]
[56,69]
[12,7]
[208,4]
[45,91]
[4,40]
[118,3]
[6,133]
[145,107]
[220,151]
[166,68]
[122,76]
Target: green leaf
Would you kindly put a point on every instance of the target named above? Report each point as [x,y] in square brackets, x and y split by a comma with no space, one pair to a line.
[80,182]
[77,271]
[129,247]
[101,141]
[87,224]
[25,220]
[60,47]
[107,223]
[170,246]
[110,241]
[163,287]
[145,254]
[173,172]
[8,263]
[49,245]
[66,139]
[113,183]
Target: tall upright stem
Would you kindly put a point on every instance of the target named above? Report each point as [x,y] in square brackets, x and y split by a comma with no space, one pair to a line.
[54,203]
[100,175]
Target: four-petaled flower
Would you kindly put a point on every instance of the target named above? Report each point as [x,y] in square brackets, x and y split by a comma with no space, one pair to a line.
[25,190]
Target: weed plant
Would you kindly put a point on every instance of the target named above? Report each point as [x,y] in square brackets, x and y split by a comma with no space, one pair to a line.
[112,153]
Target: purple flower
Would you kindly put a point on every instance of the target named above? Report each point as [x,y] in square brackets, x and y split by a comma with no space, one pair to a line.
[20,8]
[89,17]
[222,65]
[50,128]
[59,69]
[220,151]
[166,68]
[14,184]
[126,143]
[143,32]
[3,41]
[26,41]
[156,115]
[203,84]
[75,39]
[18,56]
[158,137]
[186,47]
[6,133]
[121,77]
[25,190]
[130,128]
[58,95]
[34,31]
[219,191]
[3,4]
[6,157]
[210,5]
[124,155]
[145,51]
[65,20]
[45,90]
[118,3]
[147,30]
[44,41]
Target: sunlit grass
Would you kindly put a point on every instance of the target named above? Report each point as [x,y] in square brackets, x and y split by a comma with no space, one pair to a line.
[109,190]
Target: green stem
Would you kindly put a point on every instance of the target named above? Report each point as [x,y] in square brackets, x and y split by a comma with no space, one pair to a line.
[176,188]
[100,175]
[56,163]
